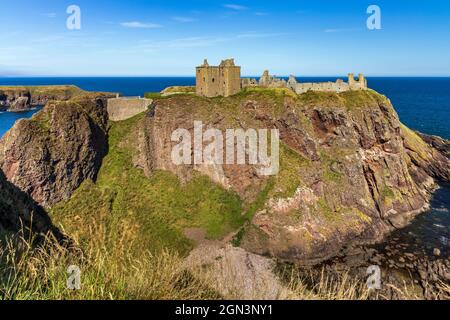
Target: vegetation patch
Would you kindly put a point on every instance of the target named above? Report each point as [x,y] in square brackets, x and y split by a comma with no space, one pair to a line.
[134,213]
[289,178]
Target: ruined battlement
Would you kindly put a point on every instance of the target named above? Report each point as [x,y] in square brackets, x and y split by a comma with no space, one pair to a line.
[338,86]
[225,80]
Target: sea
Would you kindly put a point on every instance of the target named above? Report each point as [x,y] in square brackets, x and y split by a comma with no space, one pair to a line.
[422,104]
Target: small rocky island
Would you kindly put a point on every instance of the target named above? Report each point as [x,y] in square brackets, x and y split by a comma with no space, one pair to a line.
[350,174]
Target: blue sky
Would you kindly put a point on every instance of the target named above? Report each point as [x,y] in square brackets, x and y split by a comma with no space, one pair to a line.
[145,38]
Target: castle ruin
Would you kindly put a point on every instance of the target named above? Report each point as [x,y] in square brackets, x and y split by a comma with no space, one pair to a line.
[338,86]
[225,80]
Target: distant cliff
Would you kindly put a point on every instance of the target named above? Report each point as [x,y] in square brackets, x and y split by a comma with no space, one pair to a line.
[22,98]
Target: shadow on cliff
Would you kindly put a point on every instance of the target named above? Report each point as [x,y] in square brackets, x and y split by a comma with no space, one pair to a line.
[21,216]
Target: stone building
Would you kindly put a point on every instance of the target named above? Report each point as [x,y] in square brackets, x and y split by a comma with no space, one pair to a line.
[223,80]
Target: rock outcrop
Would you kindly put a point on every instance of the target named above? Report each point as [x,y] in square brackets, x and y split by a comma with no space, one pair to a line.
[438,143]
[50,155]
[23,98]
[19,213]
[350,171]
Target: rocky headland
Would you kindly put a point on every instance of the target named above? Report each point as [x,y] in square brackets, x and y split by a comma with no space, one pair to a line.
[23,98]
[350,173]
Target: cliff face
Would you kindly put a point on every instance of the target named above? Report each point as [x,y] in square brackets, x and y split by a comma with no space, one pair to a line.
[50,155]
[349,169]
[20,213]
[22,98]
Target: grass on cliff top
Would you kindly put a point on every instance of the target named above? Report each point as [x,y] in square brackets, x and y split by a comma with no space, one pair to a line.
[136,213]
[50,90]
[349,100]
[179,89]
[63,92]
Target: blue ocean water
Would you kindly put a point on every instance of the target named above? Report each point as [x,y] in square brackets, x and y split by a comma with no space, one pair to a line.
[422,103]
[7,119]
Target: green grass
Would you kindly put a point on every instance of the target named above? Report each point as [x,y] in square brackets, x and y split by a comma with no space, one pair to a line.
[147,213]
[179,89]
[153,95]
[289,178]
[387,192]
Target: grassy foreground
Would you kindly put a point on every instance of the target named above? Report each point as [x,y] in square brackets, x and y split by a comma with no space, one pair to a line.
[41,274]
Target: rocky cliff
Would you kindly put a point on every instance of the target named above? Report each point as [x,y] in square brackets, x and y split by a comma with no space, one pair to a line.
[50,155]
[19,213]
[22,98]
[349,170]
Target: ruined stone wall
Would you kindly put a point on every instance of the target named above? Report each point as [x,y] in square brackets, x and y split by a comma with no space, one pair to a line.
[120,109]
[338,86]
[269,81]
[323,86]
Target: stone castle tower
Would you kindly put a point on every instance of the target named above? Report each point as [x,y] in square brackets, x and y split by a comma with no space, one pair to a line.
[223,80]
[360,84]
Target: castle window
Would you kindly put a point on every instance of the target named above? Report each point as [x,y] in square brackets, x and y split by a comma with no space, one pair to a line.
[213,79]
[204,79]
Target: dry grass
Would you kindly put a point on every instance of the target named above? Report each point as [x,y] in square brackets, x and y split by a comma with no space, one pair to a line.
[28,273]
[41,274]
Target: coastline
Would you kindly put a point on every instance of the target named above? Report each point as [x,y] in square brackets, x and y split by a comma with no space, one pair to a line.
[382,228]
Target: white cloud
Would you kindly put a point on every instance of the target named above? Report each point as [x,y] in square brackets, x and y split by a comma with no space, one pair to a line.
[236,7]
[183,19]
[140,25]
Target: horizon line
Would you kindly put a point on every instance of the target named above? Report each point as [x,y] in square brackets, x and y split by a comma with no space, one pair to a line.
[193,76]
